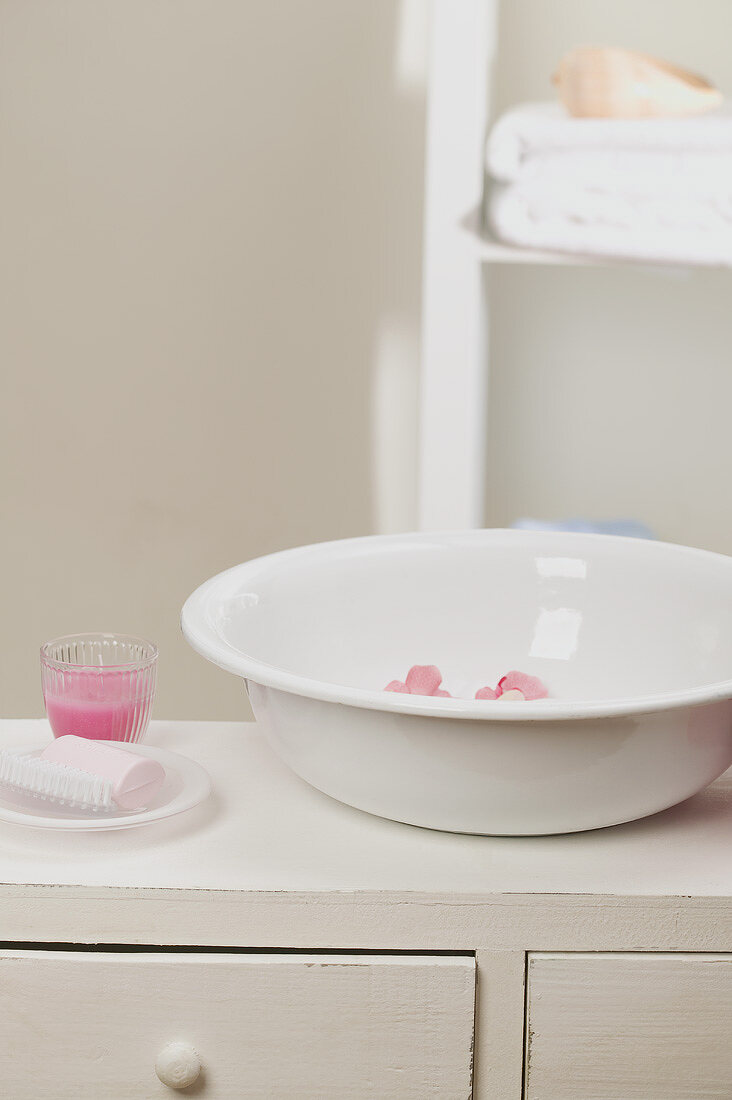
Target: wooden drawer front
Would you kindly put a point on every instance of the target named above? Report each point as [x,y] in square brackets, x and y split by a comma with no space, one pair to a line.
[90,1026]
[629,1027]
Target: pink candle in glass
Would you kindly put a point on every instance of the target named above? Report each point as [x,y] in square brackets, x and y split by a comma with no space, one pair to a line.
[99,686]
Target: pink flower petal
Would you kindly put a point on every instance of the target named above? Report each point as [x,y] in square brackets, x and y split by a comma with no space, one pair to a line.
[486,693]
[397,685]
[445,694]
[530,687]
[424,679]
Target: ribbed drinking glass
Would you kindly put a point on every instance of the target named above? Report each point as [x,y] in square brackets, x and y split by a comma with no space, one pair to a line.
[100,686]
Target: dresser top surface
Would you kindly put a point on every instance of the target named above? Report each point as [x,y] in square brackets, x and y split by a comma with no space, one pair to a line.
[264,829]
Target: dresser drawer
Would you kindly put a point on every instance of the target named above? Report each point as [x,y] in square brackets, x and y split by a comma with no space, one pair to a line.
[629,1027]
[91,1026]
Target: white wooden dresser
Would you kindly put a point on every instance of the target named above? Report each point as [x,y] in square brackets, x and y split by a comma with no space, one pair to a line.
[297,948]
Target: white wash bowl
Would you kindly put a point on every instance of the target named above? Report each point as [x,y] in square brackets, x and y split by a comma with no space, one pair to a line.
[633,639]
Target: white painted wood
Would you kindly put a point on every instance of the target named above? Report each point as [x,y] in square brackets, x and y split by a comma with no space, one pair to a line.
[271,863]
[453,387]
[91,1026]
[354,920]
[499,1026]
[640,1027]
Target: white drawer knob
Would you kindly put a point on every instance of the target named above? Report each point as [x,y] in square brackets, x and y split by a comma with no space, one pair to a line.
[178,1065]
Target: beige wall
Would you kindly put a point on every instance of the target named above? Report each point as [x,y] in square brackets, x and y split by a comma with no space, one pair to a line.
[611,389]
[210,275]
[211,219]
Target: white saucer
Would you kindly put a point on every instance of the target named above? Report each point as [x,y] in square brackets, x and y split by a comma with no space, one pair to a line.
[186,785]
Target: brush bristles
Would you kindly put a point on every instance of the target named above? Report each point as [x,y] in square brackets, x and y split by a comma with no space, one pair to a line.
[55,782]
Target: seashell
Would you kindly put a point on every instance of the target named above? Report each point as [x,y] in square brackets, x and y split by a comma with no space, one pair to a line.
[595,82]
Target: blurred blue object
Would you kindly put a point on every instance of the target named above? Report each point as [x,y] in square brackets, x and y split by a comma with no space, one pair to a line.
[631,528]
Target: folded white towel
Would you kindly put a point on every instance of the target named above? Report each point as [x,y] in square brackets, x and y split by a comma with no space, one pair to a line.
[611,226]
[536,129]
[656,189]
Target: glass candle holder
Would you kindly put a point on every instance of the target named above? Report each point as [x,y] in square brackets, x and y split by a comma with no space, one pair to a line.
[99,686]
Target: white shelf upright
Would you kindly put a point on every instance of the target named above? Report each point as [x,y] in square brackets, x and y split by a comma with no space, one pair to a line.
[454,360]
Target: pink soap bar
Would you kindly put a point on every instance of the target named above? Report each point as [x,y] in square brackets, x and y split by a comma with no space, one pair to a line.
[135,779]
